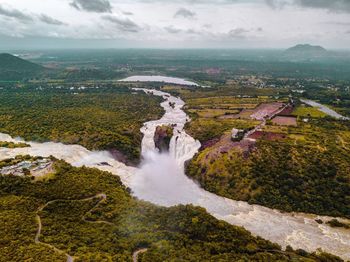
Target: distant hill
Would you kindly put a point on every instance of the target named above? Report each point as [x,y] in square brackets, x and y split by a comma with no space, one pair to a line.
[15,68]
[305,52]
[307,48]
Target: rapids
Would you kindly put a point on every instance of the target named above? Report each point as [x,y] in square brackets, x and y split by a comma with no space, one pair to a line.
[161,180]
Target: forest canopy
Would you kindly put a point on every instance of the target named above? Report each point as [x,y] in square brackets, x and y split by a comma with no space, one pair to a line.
[90,215]
[96,118]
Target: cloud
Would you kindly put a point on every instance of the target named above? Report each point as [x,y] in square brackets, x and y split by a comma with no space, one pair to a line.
[127,13]
[96,6]
[184,13]
[194,32]
[238,32]
[49,20]
[123,24]
[172,30]
[337,23]
[16,14]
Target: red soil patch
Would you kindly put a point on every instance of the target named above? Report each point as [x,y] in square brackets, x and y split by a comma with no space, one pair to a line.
[287,111]
[209,143]
[259,113]
[285,120]
[266,110]
[267,136]
[226,144]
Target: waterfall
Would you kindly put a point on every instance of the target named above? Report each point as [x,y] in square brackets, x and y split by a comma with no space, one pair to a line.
[161,180]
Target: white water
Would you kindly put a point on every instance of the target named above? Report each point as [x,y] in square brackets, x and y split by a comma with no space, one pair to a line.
[73,154]
[160,79]
[324,109]
[161,180]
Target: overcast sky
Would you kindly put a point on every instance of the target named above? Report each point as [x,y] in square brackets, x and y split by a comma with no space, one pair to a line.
[174,23]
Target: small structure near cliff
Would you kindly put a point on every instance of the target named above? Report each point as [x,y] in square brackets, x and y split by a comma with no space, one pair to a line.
[237,134]
[162,137]
[27,166]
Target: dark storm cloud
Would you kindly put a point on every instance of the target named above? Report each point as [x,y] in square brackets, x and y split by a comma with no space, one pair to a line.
[49,20]
[16,14]
[123,24]
[184,13]
[97,6]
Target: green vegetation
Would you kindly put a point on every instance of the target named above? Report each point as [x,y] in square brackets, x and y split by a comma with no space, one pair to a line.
[205,129]
[337,223]
[98,119]
[306,168]
[215,115]
[17,159]
[77,219]
[14,68]
[307,172]
[13,145]
[306,111]
[206,66]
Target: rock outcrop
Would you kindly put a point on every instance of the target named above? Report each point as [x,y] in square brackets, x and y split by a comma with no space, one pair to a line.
[162,137]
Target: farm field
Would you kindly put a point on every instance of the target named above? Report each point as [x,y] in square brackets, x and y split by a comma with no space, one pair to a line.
[285,121]
[307,111]
[215,116]
[287,158]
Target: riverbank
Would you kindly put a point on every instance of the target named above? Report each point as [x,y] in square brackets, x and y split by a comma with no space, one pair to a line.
[161,180]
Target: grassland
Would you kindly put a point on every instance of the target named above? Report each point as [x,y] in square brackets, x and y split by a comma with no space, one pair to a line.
[13,145]
[90,215]
[205,129]
[306,111]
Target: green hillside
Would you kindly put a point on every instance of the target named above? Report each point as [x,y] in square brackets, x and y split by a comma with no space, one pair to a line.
[15,68]
[91,216]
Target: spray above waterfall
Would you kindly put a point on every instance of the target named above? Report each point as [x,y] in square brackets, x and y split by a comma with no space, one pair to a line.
[161,179]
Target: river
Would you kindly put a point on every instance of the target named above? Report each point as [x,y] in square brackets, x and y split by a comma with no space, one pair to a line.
[161,180]
[160,79]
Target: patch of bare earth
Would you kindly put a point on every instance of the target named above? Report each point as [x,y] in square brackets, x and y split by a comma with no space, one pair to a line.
[285,120]
[225,144]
